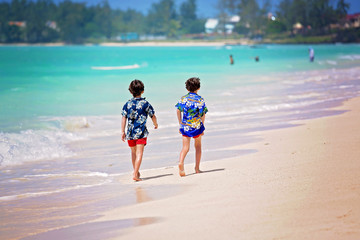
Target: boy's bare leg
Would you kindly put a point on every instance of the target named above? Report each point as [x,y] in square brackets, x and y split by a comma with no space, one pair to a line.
[183,153]
[197,154]
[138,160]
[133,158]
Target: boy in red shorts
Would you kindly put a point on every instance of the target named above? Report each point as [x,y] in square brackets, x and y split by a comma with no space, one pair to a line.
[193,109]
[136,111]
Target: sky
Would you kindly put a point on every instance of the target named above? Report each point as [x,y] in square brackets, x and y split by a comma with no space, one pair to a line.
[206,8]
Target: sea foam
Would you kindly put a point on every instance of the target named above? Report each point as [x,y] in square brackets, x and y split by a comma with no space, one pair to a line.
[34,145]
[60,190]
[117,67]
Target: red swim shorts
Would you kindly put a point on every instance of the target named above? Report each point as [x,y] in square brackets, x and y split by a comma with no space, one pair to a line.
[194,136]
[134,142]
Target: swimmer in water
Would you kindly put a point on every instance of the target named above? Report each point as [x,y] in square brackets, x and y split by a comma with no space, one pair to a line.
[231,60]
[311,54]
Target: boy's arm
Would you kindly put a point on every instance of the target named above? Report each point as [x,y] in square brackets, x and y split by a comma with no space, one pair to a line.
[203,119]
[123,123]
[154,120]
[178,113]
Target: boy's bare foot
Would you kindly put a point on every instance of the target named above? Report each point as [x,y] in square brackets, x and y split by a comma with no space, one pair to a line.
[198,171]
[137,179]
[181,170]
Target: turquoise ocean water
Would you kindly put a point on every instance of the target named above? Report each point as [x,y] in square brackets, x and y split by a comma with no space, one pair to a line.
[51,91]
[60,108]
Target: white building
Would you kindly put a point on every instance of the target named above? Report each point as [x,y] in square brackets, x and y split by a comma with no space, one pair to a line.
[214,25]
[211,25]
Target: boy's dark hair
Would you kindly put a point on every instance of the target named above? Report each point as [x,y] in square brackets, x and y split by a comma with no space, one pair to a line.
[136,87]
[192,84]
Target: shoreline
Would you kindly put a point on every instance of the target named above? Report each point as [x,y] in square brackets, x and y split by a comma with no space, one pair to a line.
[144,44]
[282,191]
[175,43]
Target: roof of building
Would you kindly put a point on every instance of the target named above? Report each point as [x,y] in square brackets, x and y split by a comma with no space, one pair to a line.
[352,16]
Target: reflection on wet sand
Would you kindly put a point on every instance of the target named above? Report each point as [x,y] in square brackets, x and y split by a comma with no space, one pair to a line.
[104,229]
[93,230]
[141,195]
[144,221]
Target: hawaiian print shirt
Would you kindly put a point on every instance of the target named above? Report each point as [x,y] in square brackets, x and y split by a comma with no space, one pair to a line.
[193,108]
[136,110]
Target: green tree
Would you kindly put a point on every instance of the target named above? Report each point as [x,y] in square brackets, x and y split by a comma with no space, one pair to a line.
[188,18]
[162,19]
[249,11]
[18,10]
[71,21]
[4,17]
[35,23]
[118,23]
[317,14]
[291,12]
[37,14]
[134,21]
[284,14]
[321,14]
[103,19]
[275,27]
[300,10]
[341,9]
[263,19]
[253,17]
[188,10]
[13,34]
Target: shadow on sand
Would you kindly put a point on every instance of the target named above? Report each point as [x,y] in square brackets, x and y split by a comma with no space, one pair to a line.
[157,176]
[207,171]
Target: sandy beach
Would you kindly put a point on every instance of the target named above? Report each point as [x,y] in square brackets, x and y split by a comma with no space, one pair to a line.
[303,183]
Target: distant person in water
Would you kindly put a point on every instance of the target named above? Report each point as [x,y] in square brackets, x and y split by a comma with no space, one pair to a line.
[231,60]
[136,111]
[311,54]
[257,59]
[193,109]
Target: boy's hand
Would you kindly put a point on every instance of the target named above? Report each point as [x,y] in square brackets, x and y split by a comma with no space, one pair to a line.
[154,120]
[123,137]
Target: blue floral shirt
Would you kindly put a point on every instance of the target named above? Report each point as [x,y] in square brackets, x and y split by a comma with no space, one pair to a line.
[193,108]
[136,110]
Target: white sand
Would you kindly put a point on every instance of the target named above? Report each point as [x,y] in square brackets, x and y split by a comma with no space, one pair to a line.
[304,183]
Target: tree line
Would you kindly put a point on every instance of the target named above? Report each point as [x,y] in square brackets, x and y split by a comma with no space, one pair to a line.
[72,22]
[315,16]
[44,21]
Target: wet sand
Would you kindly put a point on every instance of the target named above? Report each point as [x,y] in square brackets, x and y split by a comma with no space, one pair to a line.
[70,214]
[303,183]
